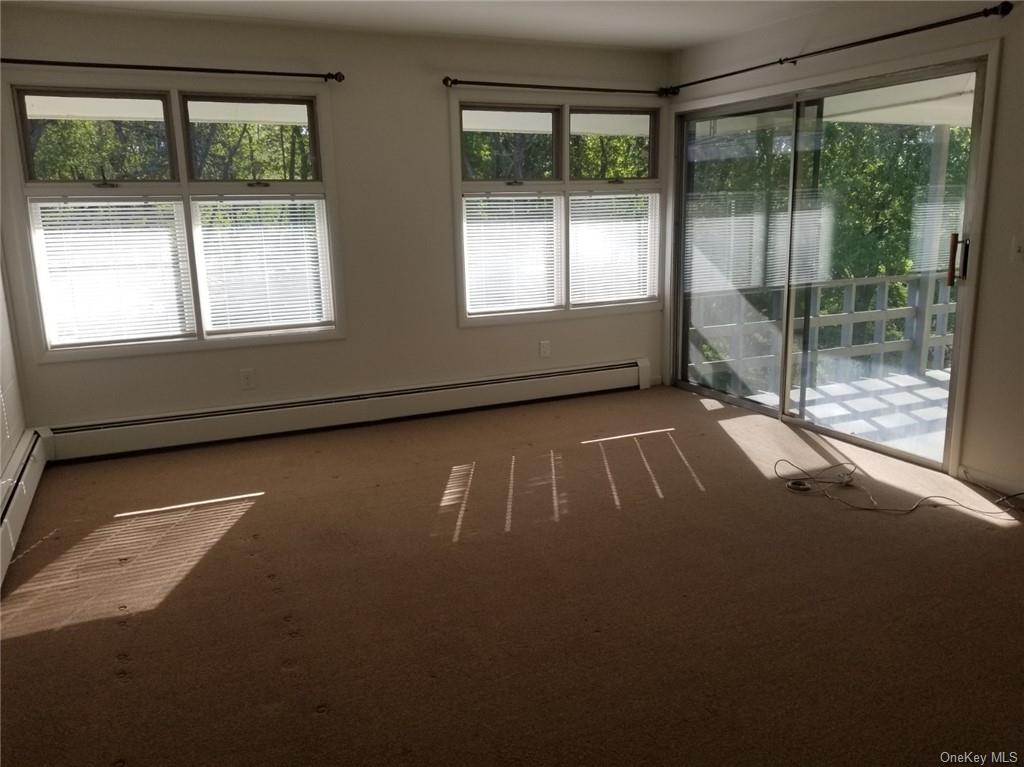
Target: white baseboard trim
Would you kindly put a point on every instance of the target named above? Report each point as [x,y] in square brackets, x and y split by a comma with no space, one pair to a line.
[20,481]
[209,426]
[1005,485]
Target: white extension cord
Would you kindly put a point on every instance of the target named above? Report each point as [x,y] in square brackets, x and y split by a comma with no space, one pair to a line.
[842,475]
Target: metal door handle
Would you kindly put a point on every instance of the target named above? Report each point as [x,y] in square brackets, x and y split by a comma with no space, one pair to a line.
[954,242]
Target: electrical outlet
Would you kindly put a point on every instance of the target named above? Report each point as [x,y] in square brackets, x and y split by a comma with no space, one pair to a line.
[544,349]
[247,378]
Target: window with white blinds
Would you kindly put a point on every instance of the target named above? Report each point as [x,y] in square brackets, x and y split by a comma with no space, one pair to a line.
[513,253]
[567,240]
[199,252]
[112,270]
[613,248]
[263,263]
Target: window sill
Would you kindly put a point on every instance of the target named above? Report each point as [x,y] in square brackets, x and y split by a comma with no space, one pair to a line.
[178,346]
[560,314]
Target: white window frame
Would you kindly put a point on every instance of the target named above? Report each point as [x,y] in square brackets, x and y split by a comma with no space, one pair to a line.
[17,191]
[562,186]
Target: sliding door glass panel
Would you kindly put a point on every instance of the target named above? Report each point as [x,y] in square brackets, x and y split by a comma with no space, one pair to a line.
[879,187]
[736,233]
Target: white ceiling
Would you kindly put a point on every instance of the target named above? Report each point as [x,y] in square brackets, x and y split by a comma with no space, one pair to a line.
[663,25]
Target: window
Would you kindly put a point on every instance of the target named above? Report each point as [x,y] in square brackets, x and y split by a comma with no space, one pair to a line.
[263,262]
[236,140]
[513,250]
[81,137]
[614,241]
[546,231]
[111,271]
[610,145]
[114,260]
[508,143]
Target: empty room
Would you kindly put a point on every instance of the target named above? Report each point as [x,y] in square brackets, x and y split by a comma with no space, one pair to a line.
[511,383]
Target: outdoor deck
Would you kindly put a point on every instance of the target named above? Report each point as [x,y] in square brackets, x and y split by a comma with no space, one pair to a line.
[900,411]
[877,353]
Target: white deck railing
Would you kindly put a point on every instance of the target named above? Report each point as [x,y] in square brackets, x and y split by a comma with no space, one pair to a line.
[729,336]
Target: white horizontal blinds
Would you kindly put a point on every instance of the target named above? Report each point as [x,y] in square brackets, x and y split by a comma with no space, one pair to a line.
[613,248]
[513,253]
[740,240]
[938,212]
[263,262]
[112,270]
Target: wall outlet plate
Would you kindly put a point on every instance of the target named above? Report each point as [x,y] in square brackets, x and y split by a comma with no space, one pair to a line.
[544,349]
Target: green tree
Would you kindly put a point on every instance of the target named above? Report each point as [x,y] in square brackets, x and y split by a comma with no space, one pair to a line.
[487,155]
[592,156]
[869,175]
[251,152]
[130,150]
[872,175]
[90,150]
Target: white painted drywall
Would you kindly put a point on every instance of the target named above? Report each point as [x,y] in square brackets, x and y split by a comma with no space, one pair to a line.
[395,238]
[12,417]
[993,438]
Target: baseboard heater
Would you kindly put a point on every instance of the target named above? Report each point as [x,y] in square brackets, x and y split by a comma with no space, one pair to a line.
[19,487]
[229,423]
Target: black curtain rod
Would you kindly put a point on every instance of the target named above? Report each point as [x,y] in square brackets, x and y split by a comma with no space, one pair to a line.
[451,82]
[1001,11]
[325,76]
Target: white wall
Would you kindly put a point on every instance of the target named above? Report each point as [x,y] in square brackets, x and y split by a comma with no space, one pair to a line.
[395,236]
[993,440]
[391,139]
[12,418]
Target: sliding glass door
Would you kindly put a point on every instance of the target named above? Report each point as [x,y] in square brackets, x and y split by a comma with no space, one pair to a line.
[735,257]
[829,233]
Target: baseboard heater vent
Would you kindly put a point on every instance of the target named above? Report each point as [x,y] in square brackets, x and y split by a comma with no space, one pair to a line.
[229,423]
[19,487]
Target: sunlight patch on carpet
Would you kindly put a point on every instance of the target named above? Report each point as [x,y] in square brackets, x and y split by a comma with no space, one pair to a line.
[127,566]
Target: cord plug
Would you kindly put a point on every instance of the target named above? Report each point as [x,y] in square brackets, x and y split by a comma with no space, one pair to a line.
[800,485]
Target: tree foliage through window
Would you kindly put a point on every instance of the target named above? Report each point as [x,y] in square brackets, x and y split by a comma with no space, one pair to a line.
[250,152]
[91,150]
[593,156]
[492,155]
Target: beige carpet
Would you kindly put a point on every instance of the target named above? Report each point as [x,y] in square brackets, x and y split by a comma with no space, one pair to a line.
[325,613]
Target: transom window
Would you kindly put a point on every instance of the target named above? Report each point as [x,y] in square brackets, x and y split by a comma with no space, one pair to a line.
[509,143]
[560,208]
[610,145]
[69,136]
[111,208]
[250,140]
